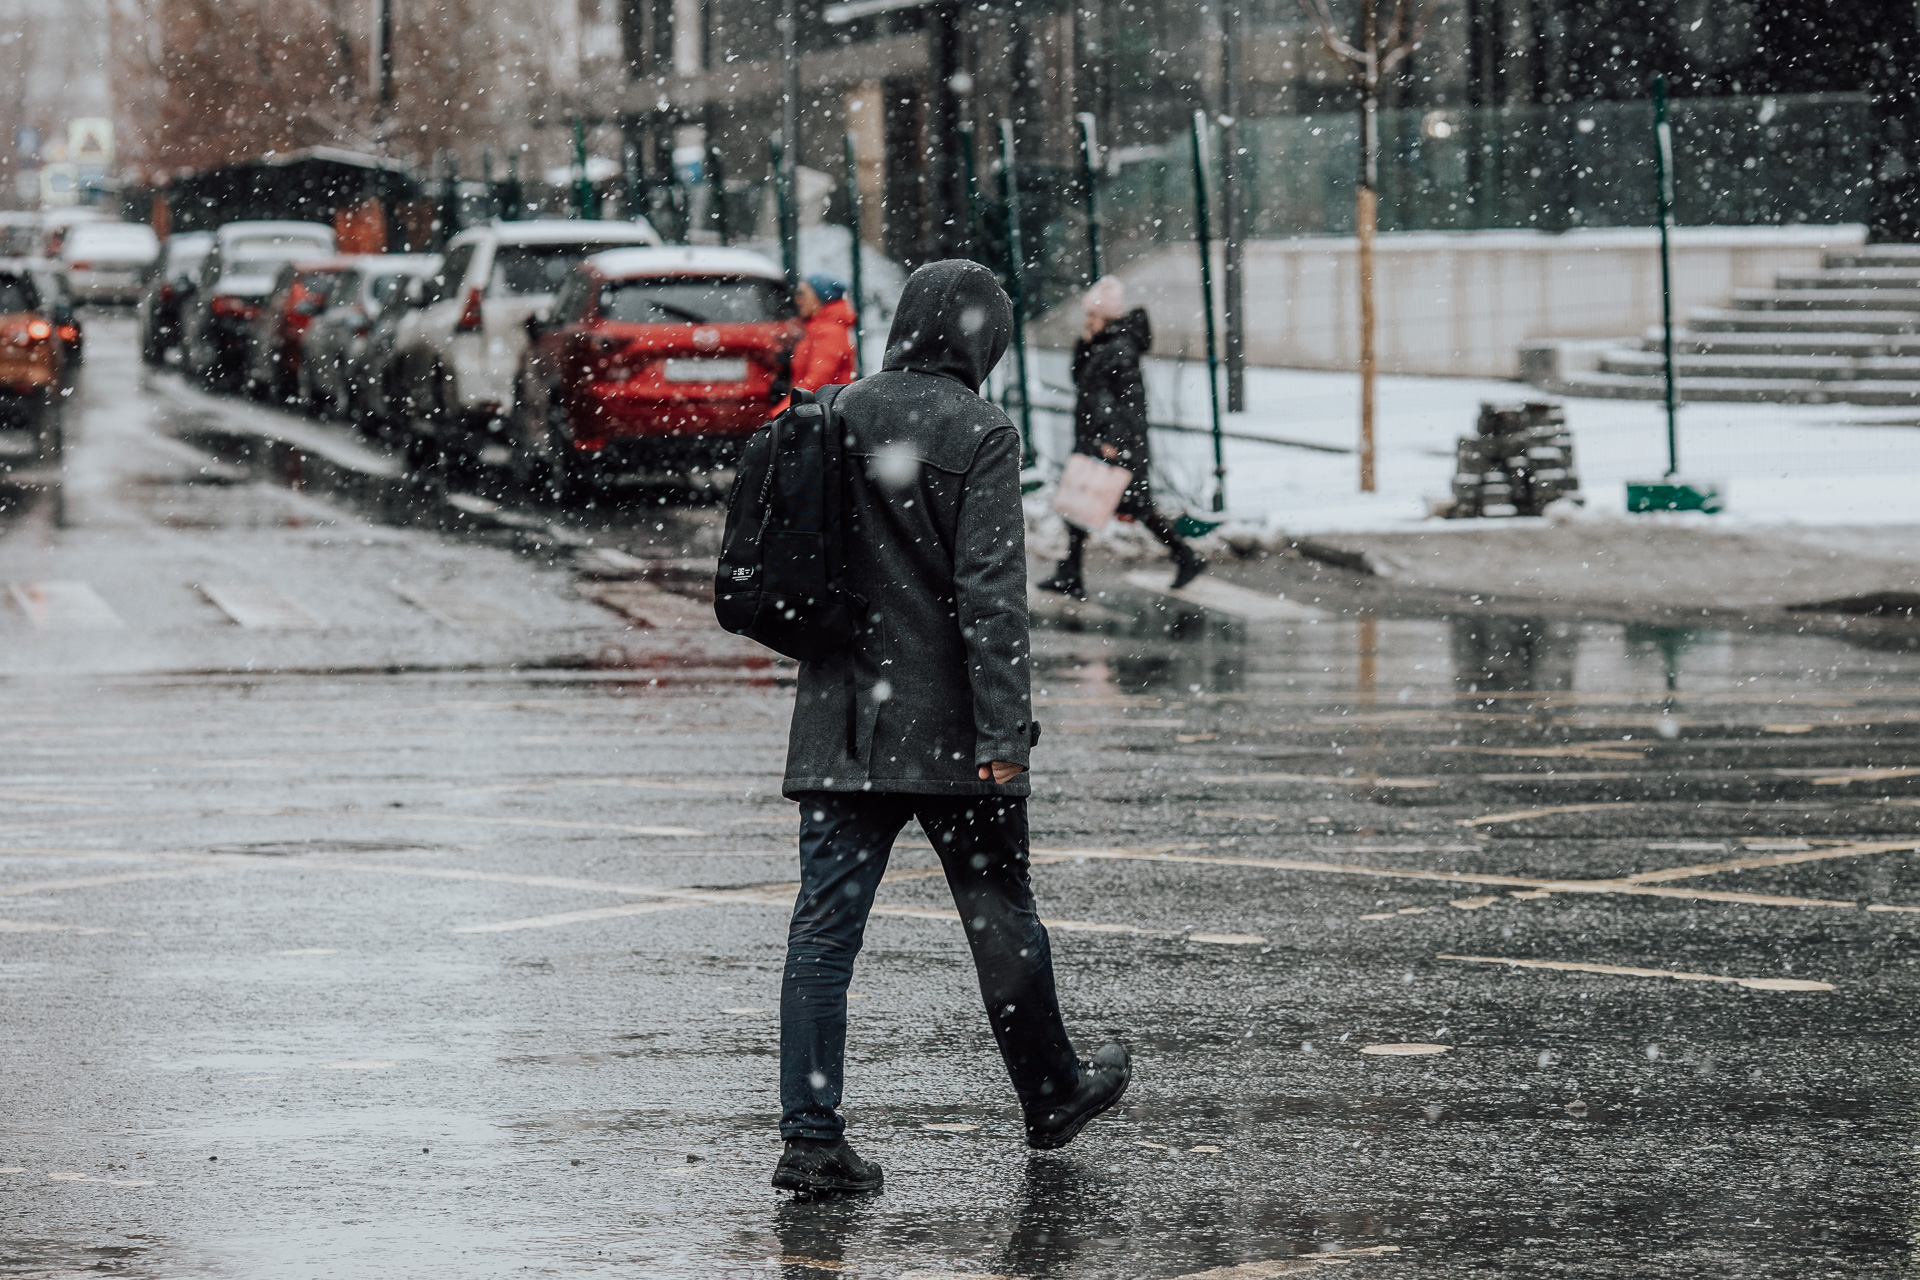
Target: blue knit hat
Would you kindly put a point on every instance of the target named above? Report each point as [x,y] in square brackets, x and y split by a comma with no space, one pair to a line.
[830,288]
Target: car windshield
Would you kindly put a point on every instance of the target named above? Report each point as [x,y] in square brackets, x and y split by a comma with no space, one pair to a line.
[378,287]
[260,257]
[693,300]
[17,295]
[526,269]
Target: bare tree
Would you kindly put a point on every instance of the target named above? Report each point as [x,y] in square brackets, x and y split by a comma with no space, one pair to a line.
[205,83]
[1368,64]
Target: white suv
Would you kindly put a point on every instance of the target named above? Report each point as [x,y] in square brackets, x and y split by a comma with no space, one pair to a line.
[457,349]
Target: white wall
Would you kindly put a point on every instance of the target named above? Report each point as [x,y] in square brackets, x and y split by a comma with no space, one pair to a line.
[1458,302]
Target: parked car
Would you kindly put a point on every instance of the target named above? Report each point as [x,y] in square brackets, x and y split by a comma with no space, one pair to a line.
[216,328]
[105,261]
[457,351]
[21,234]
[32,360]
[168,286]
[55,224]
[651,362]
[299,295]
[335,350]
[61,308]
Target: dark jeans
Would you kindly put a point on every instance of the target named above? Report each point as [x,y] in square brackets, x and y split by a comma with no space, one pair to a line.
[982,841]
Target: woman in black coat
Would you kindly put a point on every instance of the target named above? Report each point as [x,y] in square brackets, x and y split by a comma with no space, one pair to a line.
[1110,423]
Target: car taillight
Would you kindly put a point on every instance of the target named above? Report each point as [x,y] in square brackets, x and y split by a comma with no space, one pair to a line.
[38,330]
[472,318]
[79,266]
[233,308]
[69,333]
[166,293]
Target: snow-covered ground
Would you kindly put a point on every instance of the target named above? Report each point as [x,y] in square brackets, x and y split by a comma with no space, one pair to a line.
[1776,464]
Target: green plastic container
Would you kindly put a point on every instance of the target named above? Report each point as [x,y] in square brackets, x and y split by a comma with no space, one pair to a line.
[1673,494]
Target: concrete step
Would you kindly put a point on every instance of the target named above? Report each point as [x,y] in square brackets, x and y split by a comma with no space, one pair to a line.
[1881,277]
[1853,346]
[1817,368]
[1619,386]
[1826,300]
[1721,320]
[1876,255]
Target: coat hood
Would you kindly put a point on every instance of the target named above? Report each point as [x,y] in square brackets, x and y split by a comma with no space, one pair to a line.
[839,312]
[1132,326]
[954,319]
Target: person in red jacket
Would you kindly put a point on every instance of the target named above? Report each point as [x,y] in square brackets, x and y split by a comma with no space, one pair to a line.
[824,356]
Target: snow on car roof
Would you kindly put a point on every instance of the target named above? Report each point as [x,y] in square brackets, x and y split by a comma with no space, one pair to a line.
[240,232]
[685,260]
[569,231]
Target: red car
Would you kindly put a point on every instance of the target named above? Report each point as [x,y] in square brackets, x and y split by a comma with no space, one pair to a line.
[651,362]
[299,294]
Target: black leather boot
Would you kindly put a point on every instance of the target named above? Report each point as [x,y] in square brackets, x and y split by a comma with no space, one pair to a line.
[1103,1078]
[810,1165]
[1187,567]
[1066,581]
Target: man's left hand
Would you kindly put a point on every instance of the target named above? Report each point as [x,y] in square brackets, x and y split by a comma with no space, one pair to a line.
[1000,773]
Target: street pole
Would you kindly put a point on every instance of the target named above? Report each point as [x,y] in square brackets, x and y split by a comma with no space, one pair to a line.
[516,199]
[383,51]
[1090,179]
[717,183]
[853,249]
[1205,234]
[786,176]
[1016,271]
[630,166]
[970,187]
[783,215]
[952,86]
[1663,172]
[1366,212]
[1233,283]
[582,186]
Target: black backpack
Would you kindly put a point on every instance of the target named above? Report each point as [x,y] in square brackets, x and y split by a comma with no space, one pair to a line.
[782,574]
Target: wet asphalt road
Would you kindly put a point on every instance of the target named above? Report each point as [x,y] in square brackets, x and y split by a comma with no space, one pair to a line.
[432,925]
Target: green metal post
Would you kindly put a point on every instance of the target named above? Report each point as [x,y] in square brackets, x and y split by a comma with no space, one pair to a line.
[516,198]
[853,250]
[582,187]
[1663,172]
[1205,234]
[1089,178]
[630,171]
[486,177]
[1016,272]
[783,214]
[973,190]
[717,185]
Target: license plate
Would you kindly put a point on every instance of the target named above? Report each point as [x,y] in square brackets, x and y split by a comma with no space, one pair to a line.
[706,370]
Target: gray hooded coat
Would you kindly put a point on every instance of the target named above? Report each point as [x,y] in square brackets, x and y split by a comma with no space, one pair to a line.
[936,683]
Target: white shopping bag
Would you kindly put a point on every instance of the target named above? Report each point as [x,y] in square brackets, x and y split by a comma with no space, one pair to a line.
[1090,491]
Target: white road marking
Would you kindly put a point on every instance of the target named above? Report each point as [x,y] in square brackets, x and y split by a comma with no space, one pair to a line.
[1287,1266]
[577,917]
[259,607]
[1627,971]
[1357,780]
[453,604]
[1404,1050]
[93,882]
[64,606]
[1845,849]
[47,926]
[1521,815]
[626,827]
[310,951]
[949,1126]
[644,784]
[1223,597]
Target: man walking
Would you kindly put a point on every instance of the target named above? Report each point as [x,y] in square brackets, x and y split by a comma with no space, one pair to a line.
[927,715]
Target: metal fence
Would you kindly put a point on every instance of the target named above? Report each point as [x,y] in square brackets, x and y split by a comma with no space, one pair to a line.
[1745,161]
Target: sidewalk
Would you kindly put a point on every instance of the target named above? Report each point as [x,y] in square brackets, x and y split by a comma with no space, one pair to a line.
[1777,465]
[1822,500]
